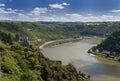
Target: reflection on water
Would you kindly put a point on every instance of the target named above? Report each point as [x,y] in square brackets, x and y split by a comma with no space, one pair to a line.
[100,69]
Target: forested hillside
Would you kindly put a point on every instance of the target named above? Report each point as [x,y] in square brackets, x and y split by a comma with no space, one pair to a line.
[89,28]
[112,43]
[25,63]
[39,32]
[110,47]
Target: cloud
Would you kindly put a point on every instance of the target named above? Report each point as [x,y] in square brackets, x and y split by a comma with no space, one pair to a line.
[65,4]
[44,14]
[2,5]
[15,10]
[2,10]
[9,11]
[58,6]
[22,16]
[115,11]
[91,18]
[74,15]
[37,11]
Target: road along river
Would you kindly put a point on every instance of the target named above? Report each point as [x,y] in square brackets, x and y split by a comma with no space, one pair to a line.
[99,68]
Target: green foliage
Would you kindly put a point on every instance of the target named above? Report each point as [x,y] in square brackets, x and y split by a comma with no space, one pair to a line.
[33,63]
[28,76]
[73,80]
[7,38]
[17,46]
[19,65]
[10,77]
[26,49]
[87,28]
[112,43]
[9,66]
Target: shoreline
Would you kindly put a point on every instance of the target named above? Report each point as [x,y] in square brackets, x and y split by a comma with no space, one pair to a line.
[99,55]
[59,41]
[64,41]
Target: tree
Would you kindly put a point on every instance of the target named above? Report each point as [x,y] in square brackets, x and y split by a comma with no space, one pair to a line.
[9,38]
[17,46]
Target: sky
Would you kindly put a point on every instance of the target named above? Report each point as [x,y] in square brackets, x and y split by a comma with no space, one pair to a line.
[60,10]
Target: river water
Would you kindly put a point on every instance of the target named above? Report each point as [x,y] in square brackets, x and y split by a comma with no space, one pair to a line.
[100,69]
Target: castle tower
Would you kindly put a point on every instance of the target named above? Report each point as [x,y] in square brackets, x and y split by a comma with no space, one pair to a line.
[26,41]
[17,38]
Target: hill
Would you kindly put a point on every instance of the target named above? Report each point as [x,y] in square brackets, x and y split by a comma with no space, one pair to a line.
[25,63]
[112,43]
[89,28]
[40,32]
[110,47]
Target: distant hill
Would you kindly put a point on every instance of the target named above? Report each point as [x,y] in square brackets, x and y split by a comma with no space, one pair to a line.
[40,32]
[89,28]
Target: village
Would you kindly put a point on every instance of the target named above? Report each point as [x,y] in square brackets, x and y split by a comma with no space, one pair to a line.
[105,53]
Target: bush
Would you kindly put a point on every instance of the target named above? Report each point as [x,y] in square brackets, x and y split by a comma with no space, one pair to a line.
[26,49]
[33,63]
[17,46]
[9,66]
[28,76]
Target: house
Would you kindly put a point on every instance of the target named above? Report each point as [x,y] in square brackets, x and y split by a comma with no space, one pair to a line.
[105,52]
[113,53]
[97,50]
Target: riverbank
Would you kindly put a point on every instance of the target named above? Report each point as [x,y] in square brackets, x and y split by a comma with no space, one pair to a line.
[59,41]
[82,76]
[101,55]
[100,69]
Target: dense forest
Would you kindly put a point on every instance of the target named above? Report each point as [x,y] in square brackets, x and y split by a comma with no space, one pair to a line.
[88,28]
[111,43]
[25,63]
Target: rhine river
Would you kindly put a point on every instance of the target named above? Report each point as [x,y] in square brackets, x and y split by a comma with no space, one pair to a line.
[99,68]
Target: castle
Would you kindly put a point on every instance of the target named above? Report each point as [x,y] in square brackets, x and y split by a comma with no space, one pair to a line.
[23,41]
